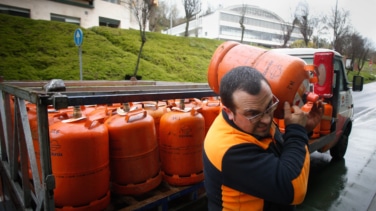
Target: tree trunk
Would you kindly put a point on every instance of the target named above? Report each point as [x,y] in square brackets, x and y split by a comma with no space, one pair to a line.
[243,29]
[139,57]
[186,28]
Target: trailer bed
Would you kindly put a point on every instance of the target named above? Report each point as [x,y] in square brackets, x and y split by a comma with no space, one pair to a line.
[25,194]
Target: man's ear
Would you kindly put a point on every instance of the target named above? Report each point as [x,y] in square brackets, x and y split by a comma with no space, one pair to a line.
[229,113]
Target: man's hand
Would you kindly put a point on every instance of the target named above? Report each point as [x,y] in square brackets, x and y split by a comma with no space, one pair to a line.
[314,116]
[294,115]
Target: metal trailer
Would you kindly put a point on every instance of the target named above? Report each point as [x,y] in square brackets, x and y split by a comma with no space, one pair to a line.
[21,193]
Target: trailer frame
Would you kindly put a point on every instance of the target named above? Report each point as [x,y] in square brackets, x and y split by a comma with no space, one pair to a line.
[17,150]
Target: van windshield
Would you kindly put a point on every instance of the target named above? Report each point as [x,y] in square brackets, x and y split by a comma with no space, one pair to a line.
[308,60]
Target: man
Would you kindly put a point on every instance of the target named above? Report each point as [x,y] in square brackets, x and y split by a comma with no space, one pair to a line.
[248,163]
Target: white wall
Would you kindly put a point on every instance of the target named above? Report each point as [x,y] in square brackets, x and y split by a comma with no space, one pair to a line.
[211,26]
[89,17]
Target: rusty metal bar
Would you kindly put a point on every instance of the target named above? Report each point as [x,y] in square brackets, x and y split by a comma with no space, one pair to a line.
[48,179]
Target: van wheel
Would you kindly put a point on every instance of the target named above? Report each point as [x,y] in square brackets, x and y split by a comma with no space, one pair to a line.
[339,150]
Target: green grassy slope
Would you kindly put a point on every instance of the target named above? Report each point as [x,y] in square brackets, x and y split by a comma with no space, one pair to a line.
[43,50]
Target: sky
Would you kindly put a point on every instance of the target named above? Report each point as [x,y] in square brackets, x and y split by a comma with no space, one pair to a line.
[362,12]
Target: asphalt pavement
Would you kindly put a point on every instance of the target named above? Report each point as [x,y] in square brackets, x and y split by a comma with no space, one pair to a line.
[372,206]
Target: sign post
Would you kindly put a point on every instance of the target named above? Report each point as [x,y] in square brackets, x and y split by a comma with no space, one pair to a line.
[78,38]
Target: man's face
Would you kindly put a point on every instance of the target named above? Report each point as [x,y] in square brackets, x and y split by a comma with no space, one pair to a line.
[248,106]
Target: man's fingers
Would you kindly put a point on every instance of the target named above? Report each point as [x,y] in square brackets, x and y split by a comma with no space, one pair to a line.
[287,108]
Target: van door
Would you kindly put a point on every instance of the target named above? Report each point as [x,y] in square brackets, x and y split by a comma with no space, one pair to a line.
[345,101]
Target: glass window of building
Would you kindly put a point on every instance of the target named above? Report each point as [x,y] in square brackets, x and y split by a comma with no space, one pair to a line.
[112,1]
[16,11]
[63,18]
[109,22]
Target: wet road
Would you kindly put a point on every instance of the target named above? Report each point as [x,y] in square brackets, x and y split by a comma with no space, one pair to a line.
[349,184]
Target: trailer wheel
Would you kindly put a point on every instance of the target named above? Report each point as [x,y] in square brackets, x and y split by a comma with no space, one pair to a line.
[339,150]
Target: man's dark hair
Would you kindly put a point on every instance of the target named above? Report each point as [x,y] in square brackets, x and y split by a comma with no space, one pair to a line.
[243,78]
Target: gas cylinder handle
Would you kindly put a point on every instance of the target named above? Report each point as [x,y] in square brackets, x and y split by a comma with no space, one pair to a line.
[110,111]
[192,110]
[213,103]
[313,70]
[153,103]
[307,107]
[61,115]
[195,101]
[92,123]
[195,111]
[134,113]
[311,98]
[171,103]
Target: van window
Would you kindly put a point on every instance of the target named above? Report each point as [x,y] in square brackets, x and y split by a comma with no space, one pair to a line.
[308,60]
[338,69]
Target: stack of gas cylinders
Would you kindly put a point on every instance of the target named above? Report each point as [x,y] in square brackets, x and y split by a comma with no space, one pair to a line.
[124,149]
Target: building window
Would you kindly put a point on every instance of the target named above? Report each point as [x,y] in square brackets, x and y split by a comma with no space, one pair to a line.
[257,12]
[251,21]
[66,19]
[14,11]
[79,3]
[109,22]
[112,1]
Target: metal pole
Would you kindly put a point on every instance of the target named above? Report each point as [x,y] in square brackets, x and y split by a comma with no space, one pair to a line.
[80,58]
[48,178]
[170,18]
[335,26]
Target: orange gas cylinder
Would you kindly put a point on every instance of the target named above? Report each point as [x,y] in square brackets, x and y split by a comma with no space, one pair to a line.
[12,109]
[156,110]
[286,74]
[134,156]
[80,164]
[32,117]
[316,131]
[182,133]
[53,116]
[281,124]
[211,107]
[326,121]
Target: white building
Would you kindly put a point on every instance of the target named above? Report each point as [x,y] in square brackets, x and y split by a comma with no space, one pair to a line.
[85,13]
[262,27]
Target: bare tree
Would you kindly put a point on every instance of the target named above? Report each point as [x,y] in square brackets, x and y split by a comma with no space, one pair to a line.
[173,15]
[287,30]
[153,20]
[372,56]
[304,22]
[321,29]
[356,51]
[191,8]
[163,17]
[141,10]
[320,42]
[209,10]
[241,20]
[339,23]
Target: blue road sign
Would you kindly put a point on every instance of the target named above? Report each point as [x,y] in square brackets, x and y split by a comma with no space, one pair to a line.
[78,37]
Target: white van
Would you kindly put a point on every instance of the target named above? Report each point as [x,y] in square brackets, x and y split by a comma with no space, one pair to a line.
[336,91]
